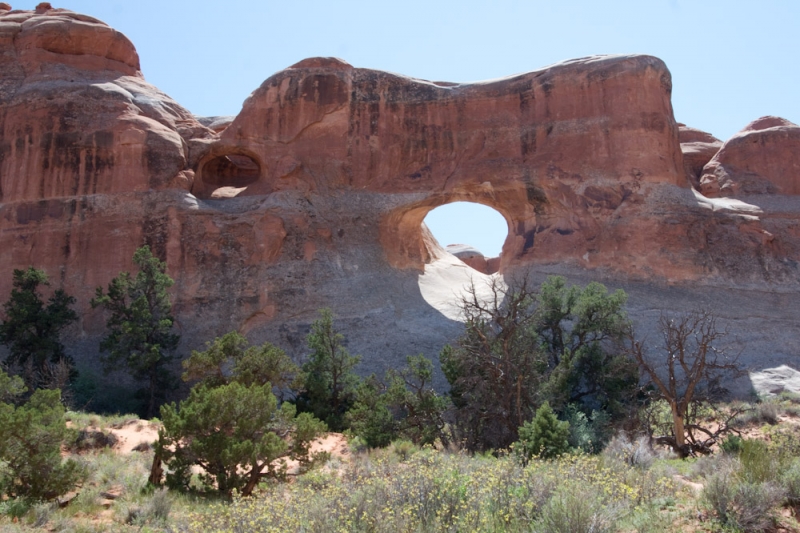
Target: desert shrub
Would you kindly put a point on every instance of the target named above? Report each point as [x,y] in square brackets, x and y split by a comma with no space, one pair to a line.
[743,504]
[235,433]
[15,508]
[30,446]
[650,518]
[768,412]
[91,439]
[545,436]
[40,514]
[636,452]
[789,396]
[573,509]
[155,510]
[588,434]
[790,481]
[403,449]
[784,441]
[792,409]
[436,492]
[732,444]
[758,464]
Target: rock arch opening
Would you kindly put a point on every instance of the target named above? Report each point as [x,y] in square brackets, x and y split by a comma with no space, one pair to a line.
[474,233]
[227,176]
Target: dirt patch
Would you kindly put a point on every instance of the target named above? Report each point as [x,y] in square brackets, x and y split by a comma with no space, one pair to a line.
[134,435]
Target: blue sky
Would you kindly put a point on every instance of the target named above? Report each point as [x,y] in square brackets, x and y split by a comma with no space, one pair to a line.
[731,61]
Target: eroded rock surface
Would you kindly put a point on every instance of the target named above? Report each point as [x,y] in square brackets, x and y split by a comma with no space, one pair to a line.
[314,195]
[698,147]
[763,158]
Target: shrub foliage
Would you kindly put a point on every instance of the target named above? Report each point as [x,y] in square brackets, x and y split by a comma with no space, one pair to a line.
[30,446]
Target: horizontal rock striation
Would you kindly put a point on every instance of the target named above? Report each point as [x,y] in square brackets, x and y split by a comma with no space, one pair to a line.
[315,194]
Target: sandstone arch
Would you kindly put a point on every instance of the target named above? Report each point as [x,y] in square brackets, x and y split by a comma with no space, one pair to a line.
[227,174]
[407,246]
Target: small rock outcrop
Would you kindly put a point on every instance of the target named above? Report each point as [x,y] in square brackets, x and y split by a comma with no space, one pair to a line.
[763,158]
[470,256]
[698,147]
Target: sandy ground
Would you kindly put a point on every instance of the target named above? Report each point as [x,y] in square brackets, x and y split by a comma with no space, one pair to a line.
[137,432]
[134,433]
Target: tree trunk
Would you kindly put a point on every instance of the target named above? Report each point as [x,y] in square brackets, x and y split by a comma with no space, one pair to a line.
[252,482]
[677,426]
[152,404]
[156,470]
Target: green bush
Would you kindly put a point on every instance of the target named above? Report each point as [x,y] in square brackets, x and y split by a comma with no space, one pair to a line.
[740,503]
[790,480]
[370,418]
[732,444]
[235,433]
[758,464]
[30,447]
[545,436]
[585,433]
[572,510]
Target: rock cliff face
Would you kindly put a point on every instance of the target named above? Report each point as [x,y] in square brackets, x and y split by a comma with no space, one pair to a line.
[314,195]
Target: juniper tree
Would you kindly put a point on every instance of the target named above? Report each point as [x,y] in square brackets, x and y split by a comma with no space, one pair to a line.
[140,325]
[330,382]
[236,433]
[32,330]
[30,444]
[545,436]
[232,425]
[523,346]
[231,358]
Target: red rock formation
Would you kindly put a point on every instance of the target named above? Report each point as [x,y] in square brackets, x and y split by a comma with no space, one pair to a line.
[602,125]
[78,117]
[315,194]
[763,158]
[470,256]
[698,147]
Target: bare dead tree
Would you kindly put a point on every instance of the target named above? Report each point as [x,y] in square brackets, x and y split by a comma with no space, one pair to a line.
[696,365]
[496,367]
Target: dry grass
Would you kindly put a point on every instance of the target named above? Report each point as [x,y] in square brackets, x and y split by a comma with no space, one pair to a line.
[628,488]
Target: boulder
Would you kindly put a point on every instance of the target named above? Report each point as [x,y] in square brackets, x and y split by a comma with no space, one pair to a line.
[763,158]
[773,381]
